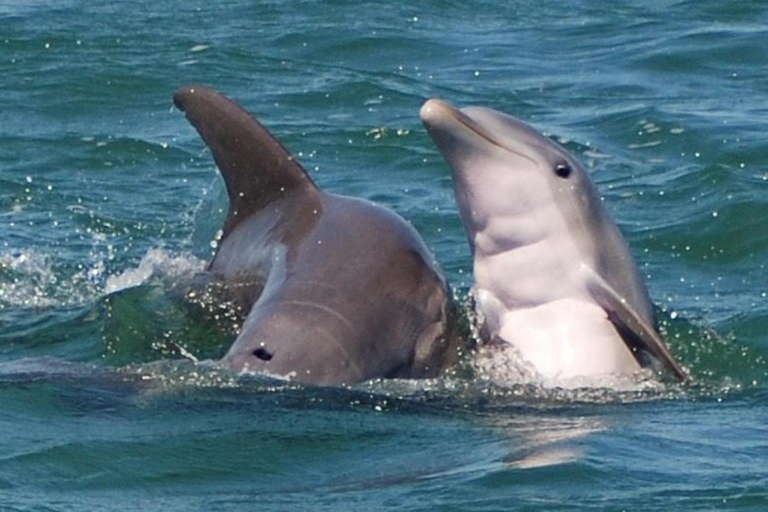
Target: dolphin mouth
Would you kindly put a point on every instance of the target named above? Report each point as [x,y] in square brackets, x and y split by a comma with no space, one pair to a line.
[436,113]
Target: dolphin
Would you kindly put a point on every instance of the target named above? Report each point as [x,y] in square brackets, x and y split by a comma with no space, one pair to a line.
[335,290]
[553,276]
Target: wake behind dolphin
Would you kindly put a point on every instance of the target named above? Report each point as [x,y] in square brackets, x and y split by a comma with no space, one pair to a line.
[337,290]
[553,277]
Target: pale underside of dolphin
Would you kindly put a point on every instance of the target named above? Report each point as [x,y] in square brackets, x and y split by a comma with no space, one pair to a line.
[553,276]
[335,290]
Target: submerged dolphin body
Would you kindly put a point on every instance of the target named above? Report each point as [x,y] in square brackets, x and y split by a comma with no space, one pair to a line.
[553,276]
[336,290]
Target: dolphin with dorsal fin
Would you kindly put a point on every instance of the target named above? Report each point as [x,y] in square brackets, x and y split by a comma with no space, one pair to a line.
[553,277]
[337,290]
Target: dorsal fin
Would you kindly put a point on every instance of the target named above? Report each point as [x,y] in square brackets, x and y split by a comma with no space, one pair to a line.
[256,167]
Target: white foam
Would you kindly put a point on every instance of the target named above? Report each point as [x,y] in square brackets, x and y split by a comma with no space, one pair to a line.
[156,262]
[34,279]
[29,279]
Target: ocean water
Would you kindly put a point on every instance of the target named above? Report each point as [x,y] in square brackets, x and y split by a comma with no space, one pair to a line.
[108,199]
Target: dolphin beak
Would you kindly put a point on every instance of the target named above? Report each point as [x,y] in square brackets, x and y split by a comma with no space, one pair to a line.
[440,115]
[448,125]
[434,109]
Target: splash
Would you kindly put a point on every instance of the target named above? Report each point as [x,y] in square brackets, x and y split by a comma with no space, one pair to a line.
[156,262]
[506,367]
[31,279]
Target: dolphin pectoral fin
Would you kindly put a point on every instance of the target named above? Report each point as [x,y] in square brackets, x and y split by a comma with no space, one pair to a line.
[641,335]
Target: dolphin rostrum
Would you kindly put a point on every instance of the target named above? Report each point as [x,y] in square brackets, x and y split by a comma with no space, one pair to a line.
[336,290]
[553,277]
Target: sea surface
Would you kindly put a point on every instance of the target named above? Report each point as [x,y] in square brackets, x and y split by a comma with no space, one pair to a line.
[109,200]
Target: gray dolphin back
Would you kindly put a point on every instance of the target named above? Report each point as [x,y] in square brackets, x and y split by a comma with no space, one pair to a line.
[335,290]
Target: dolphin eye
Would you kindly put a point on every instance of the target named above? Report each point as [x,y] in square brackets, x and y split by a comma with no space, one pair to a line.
[563,170]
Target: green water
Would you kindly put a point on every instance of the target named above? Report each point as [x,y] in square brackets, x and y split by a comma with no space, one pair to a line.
[108,200]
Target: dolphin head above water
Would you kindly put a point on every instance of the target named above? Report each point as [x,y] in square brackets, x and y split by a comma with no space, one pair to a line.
[505,169]
[553,275]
